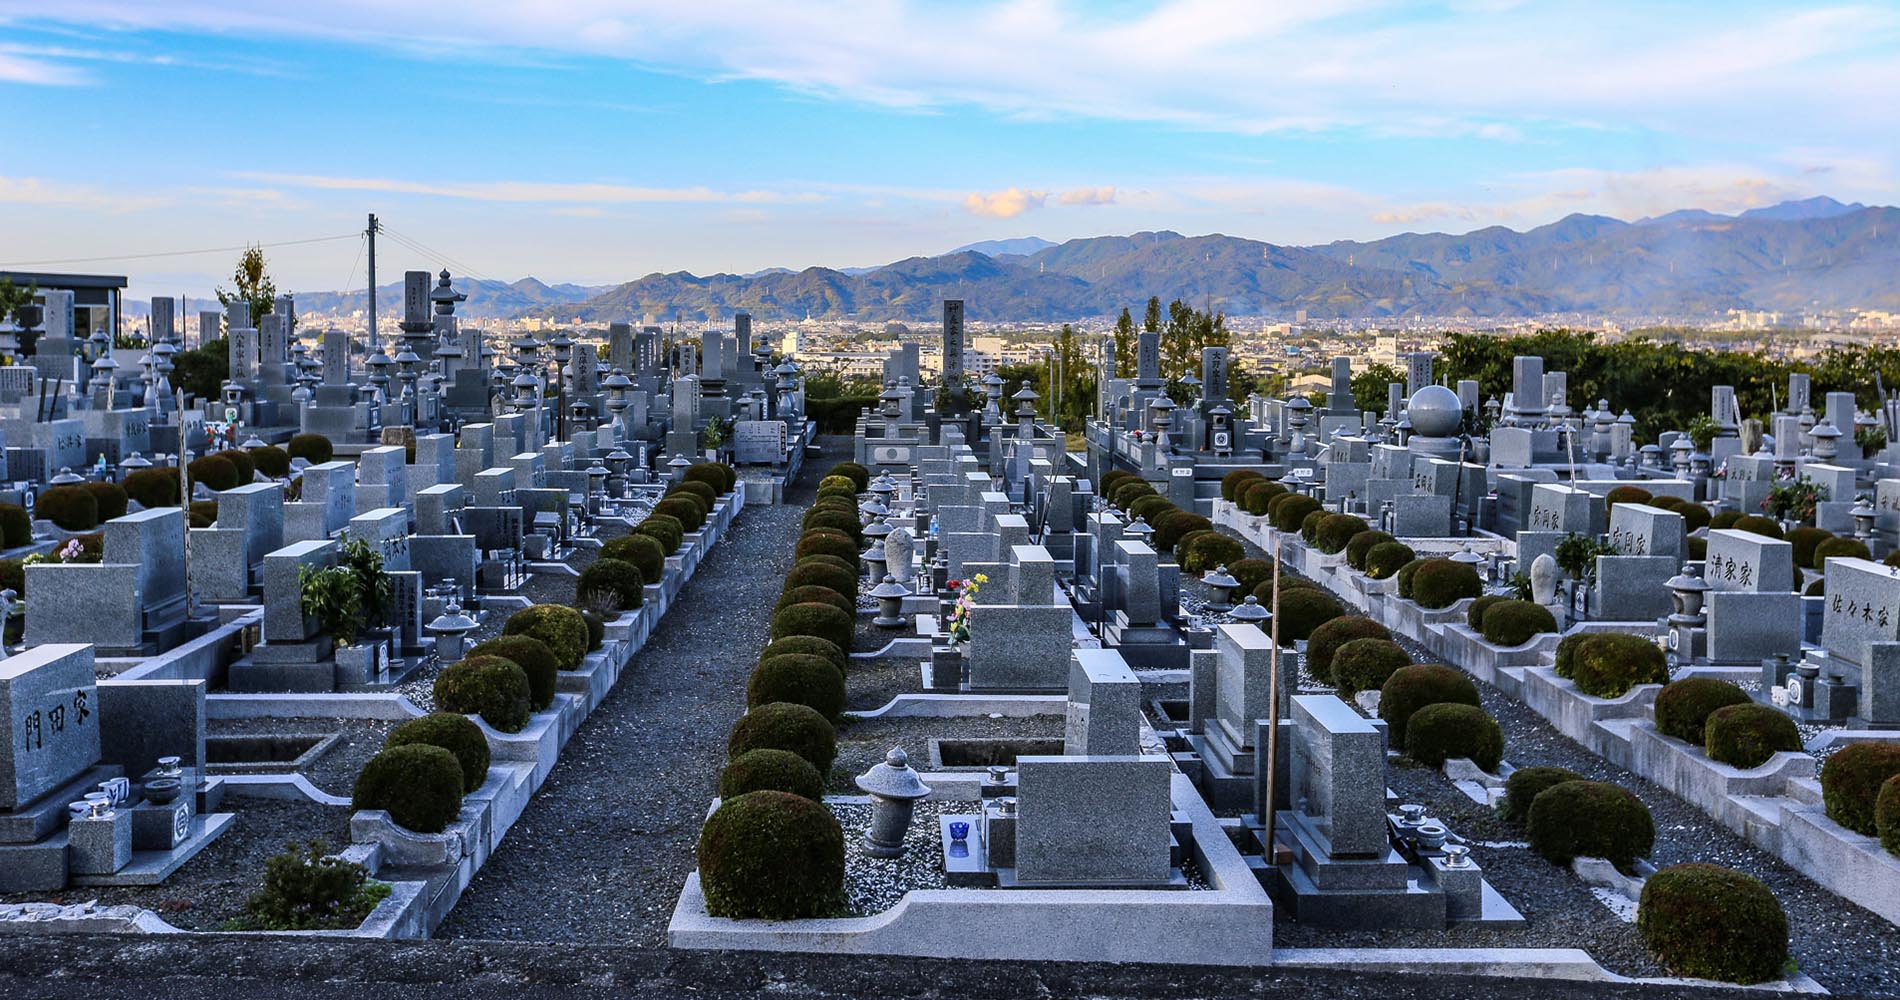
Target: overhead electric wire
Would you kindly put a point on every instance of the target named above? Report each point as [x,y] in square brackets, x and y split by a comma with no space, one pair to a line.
[178,253]
[424,249]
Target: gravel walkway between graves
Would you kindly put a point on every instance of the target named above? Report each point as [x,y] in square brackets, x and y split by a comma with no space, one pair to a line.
[212,888]
[1844,947]
[602,850]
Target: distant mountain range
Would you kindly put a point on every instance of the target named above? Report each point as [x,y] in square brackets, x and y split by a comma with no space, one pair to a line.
[486,299]
[1799,255]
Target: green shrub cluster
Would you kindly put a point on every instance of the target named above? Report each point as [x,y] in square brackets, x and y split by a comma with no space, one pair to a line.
[16,526]
[1359,545]
[772,855]
[610,585]
[1387,558]
[718,475]
[1309,525]
[1175,525]
[1523,786]
[153,487]
[1303,609]
[111,499]
[1259,496]
[771,770]
[1251,574]
[418,784]
[859,475]
[1366,664]
[1682,707]
[1608,664]
[308,889]
[1590,819]
[455,733]
[1438,733]
[1440,583]
[1405,574]
[1291,510]
[822,620]
[1325,639]
[271,461]
[1851,780]
[797,679]
[665,530]
[535,659]
[799,729]
[1710,922]
[814,594]
[1336,531]
[644,551]
[71,508]
[1204,551]
[1414,687]
[826,542]
[313,448]
[562,628]
[684,509]
[1514,623]
[488,686]
[216,472]
[1747,735]
[809,645]
[1839,548]
[1232,484]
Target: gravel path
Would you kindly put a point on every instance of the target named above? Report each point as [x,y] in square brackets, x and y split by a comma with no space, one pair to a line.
[1844,947]
[601,852]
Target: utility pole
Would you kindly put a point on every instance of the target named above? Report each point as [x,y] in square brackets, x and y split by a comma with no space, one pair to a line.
[371,234]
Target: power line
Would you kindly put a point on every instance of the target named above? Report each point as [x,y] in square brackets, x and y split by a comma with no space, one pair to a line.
[418,246]
[180,253]
[359,259]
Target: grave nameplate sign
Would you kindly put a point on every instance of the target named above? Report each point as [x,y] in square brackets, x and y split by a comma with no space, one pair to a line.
[50,703]
[759,441]
[1863,606]
[1743,560]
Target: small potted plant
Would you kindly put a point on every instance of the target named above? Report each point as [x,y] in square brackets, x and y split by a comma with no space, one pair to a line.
[1791,501]
[343,598]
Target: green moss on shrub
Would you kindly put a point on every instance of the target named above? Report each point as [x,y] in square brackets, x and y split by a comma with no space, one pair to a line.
[1388,558]
[71,508]
[1609,664]
[644,551]
[771,770]
[1366,664]
[1360,544]
[1335,531]
[800,680]
[821,620]
[1682,707]
[1851,780]
[1438,733]
[1326,638]
[1303,609]
[455,733]
[1590,819]
[1514,623]
[610,585]
[1709,922]
[1523,786]
[488,686]
[799,729]
[1747,735]
[1440,583]
[1412,688]
[534,658]
[419,785]
[773,855]
[561,627]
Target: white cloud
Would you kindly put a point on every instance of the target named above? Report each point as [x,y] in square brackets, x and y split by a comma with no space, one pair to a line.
[1535,198]
[1472,67]
[1088,196]
[57,194]
[1005,204]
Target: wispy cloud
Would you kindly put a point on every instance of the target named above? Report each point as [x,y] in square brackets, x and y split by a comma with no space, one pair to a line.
[535,191]
[57,194]
[1088,196]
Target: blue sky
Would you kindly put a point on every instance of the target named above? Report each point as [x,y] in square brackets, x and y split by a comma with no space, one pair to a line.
[600,140]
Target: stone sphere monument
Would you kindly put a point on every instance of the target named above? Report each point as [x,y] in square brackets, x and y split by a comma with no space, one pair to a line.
[1436,415]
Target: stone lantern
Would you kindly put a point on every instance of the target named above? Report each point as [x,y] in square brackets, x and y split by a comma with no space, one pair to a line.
[1863,515]
[1139,531]
[1250,612]
[890,602]
[1679,451]
[1220,584]
[1826,440]
[1471,559]
[894,790]
[451,631]
[132,463]
[1688,590]
[676,467]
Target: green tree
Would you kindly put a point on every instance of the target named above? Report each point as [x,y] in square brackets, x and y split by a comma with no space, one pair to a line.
[202,370]
[1151,320]
[1125,345]
[254,285]
[13,296]
[1368,386]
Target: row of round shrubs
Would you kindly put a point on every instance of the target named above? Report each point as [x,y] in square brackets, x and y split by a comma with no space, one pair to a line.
[616,580]
[772,849]
[1197,547]
[1433,712]
[1609,664]
[1720,717]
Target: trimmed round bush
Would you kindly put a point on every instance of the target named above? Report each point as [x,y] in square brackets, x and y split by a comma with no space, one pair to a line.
[1151,508]
[1818,588]
[1887,815]
[1232,483]
[833,562]
[534,658]
[16,526]
[69,507]
[1405,574]
[1250,573]
[821,620]
[1112,479]
[1366,664]
[1682,707]
[1176,525]
[1387,558]
[610,585]
[1474,612]
[1336,530]
[799,680]
[1207,550]
[216,473]
[1698,548]
[716,476]
[835,520]
[561,627]
[812,593]
[1567,653]
[825,542]
[859,475]
[835,505]
[418,784]
[771,771]
[811,572]
[202,513]
[1259,496]
[644,551]
[1441,583]
[1309,525]
[1590,819]
[701,492]
[786,726]
[154,487]
[1289,512]
[665,530]
[1851,781]
[1303,609]
[1442,732]
[1747,735]
[1839,548]
[313,448]
[1360,544]
[685,510]
[110,497]
[1326,638]
[489,686]
[457,734]
[1626,494]
[242,461]
[773,855]
[809,645]
[837,486]
[1804,539]
[1523,786]
[1758,525]
[1725,519]
[271,461]
[1608,664]
[1715,923]
[1694,516]
[1514,623]
[1412,688]
[1127,492]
